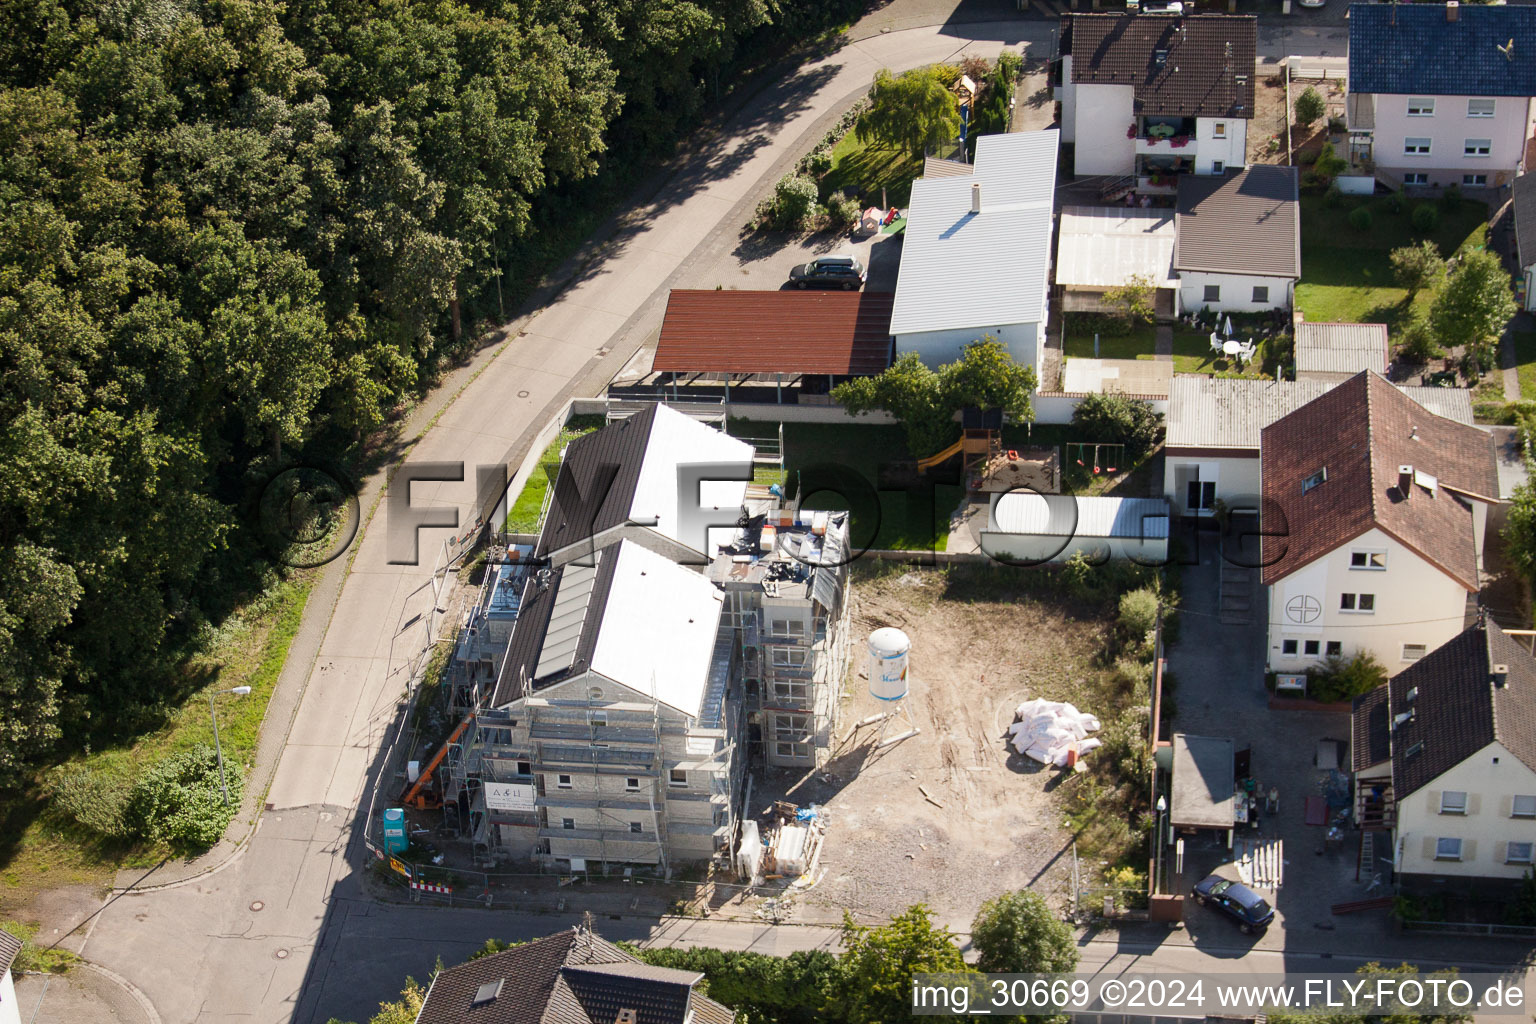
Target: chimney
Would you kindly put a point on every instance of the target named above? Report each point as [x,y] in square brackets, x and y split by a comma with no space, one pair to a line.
[1404,480]
[975,197]
[625,1017]
[1452,10]
[1500,674]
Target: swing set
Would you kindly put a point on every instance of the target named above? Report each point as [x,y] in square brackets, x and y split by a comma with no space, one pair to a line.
[1103,459]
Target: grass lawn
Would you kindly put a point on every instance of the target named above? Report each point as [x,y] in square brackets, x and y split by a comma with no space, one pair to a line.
[863,169]
[523,517]
[1192,354]
[1525,362]
[1345,274]
[837,467]
[1138,344]
[41,848]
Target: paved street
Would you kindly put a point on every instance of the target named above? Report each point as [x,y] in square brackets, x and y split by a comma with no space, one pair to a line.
[282,932]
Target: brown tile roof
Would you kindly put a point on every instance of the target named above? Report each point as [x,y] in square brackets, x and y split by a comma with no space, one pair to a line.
[1359,433]
[1458,710]
[1248,222]
[789,332]
[1200,66]
[572,977]
[10,947]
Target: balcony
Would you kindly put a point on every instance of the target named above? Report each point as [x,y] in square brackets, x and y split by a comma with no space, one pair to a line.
[1161,174]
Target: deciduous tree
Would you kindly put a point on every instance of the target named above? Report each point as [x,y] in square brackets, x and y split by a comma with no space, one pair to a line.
[910,112]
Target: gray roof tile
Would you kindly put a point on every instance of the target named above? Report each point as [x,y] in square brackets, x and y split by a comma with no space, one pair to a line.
[1200,66]
[1243,223]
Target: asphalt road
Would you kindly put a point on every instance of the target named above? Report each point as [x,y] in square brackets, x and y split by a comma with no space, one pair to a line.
[282,932]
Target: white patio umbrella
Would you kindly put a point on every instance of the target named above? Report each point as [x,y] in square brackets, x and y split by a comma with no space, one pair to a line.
[1227,329]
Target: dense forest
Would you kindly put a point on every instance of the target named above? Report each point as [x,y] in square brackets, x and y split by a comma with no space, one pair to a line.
[236,230]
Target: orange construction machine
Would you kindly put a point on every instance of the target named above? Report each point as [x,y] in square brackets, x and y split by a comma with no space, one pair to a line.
[422,795]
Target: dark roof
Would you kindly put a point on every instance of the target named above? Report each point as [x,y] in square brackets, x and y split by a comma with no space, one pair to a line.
[1524,194]
[1417,49]
[1243,223]
[595,487]
[1199,66]
[1370,729]
[10,946]
[541,591]
[1360,433]
[572,977]
[1458,710]
[790,332]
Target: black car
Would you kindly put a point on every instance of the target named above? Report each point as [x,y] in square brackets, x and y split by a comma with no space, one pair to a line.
[1250,910]
[829,272]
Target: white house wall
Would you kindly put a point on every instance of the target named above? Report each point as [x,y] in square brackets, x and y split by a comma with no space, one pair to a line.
[936,348]
[1236,478]
[1416,603]
[1448,128]
[1236,292]
[1026,549]
[1491,778]
[1231,151]
[1101,116]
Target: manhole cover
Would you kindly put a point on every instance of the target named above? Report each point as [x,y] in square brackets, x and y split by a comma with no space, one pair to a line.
[257,905]
[281,954]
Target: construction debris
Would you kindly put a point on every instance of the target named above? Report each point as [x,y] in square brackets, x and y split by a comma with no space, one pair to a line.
[1053,732]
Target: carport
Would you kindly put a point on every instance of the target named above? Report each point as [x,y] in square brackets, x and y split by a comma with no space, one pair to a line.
[769,346]
[1204,785]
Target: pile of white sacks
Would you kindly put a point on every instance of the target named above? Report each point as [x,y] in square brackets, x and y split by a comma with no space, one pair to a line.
[1053,732]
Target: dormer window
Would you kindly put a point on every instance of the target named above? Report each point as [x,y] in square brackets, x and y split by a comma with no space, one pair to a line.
[1313,480]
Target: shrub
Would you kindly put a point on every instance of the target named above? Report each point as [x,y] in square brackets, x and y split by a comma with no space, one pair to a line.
[1309,107]
[1010,64]
[1116,419]
[1340,678]
[1328,163]
[1416,342]
[948,74]
[178,801]
[842,211]
[96,798]
[817,162]
[1334,197]
[1396,202]
[1450,199]
[1138,614]
[1425,218]
[1417,267]
[1360,219]
[794,203]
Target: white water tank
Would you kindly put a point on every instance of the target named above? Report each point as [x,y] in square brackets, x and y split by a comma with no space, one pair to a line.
[888,650]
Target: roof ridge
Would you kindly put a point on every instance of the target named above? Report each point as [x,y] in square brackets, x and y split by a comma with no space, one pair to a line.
[1370,445]
[1488,663]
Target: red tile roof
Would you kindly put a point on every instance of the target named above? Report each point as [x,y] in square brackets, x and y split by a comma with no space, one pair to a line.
[788,332]
[1360,433]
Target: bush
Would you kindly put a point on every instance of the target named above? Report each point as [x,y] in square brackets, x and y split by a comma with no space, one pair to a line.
[1450,199]
[794,203]
[1309,107]
[1340,678]
[1425,218]
[1360,219]
[1138,614]
[1086,325]
[1116,419]
[1416,343]
[1417,267]
[947,74]
[1010,64]
[842,211]
[1396,202]
[817,162]
[178,801]
[96,798]
[1334,197]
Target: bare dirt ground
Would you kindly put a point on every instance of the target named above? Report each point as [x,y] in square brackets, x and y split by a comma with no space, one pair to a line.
[988,821]
[1269,115]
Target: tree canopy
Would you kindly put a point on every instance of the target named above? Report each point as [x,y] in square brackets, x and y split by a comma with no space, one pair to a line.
[876,966]
[910,111]
[924,401]
[233,230]
[1016,933]
[1474,304]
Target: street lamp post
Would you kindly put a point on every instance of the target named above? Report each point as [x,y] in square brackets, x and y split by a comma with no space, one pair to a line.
[1157,846]
[239,691]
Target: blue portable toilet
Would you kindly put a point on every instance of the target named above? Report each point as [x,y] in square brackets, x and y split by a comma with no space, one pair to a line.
[395,839]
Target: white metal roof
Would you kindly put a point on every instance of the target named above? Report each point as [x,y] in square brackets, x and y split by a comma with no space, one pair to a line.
[678,440]
[1230,412]
[1341,348]
[963,270]
[658,628]
[1103,246]
[1066,515]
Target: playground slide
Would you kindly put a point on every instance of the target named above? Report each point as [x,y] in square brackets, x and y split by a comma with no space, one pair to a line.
[923,465]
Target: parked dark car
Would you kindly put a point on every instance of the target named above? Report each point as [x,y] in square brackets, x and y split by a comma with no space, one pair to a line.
[1250,910]
[829,272]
